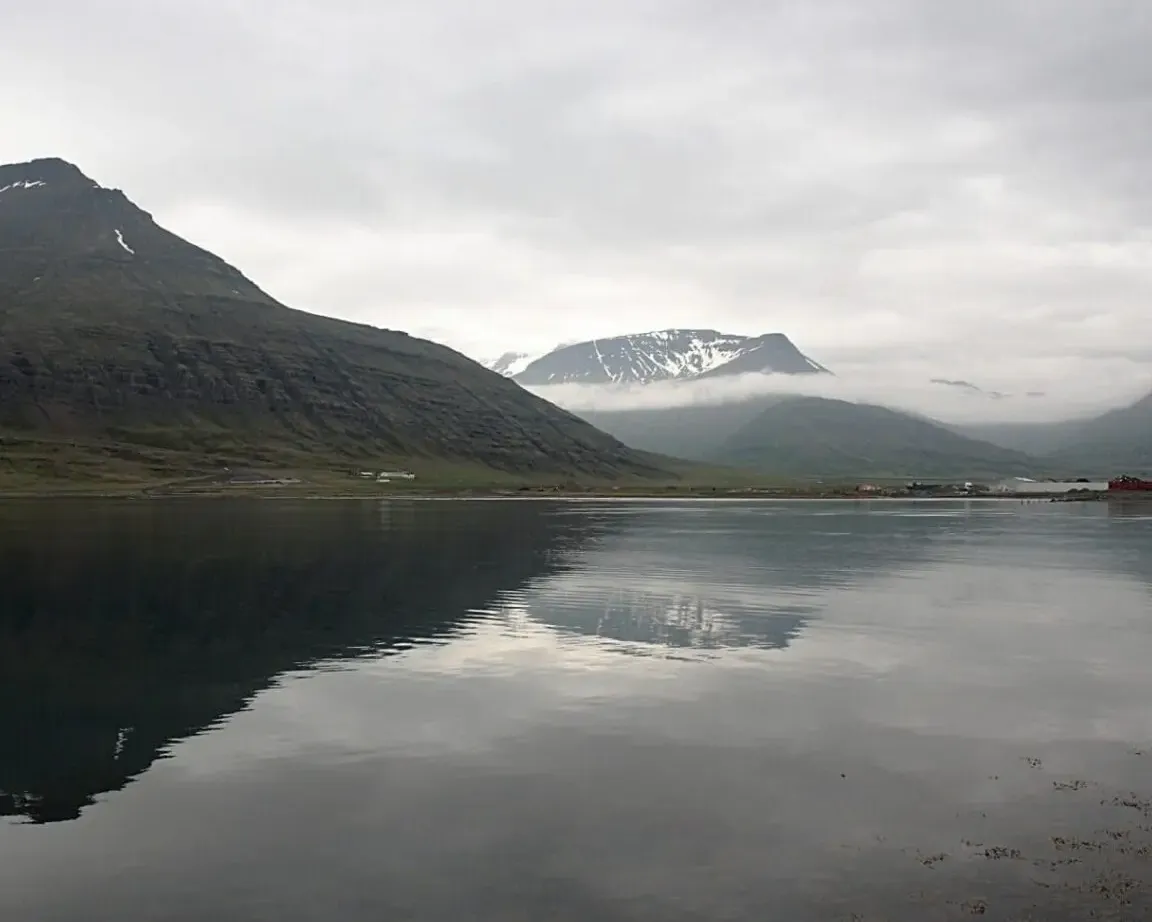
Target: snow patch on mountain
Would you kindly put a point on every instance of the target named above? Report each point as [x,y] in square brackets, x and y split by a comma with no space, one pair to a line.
[23,184]
[511,364]
[664,355]
[124,246]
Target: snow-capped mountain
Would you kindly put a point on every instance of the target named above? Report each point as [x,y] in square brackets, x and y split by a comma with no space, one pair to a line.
[511,364]
[663,355]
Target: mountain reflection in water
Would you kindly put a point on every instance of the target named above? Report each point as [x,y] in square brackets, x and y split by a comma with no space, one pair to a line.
[126,627]
[619,710]
[130,626]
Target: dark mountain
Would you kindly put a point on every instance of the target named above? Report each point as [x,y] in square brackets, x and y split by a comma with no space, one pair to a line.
[813,436]
[665,355]
[691,432]
[1039,439]
[818,436]
[1116,442]
[114,331]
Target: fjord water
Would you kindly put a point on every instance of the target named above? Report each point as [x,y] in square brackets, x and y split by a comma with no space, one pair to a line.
[575,710]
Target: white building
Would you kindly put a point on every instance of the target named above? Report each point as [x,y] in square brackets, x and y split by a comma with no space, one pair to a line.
[388,476]
[1026,486]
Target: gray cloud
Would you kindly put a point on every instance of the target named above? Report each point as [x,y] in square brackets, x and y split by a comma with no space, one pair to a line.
[958,185]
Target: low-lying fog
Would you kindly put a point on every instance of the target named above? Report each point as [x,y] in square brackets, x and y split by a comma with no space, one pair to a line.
[1035,391]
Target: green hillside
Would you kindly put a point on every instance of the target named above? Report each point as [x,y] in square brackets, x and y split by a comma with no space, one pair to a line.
[1116,442]
[690,432]
[793,436]
[128,344]
[821,437]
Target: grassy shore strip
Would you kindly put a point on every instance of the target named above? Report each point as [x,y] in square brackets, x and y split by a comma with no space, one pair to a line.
[43,467]
[450,482]
[349,489]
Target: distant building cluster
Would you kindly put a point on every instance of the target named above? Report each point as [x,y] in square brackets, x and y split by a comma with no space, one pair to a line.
[1013,486]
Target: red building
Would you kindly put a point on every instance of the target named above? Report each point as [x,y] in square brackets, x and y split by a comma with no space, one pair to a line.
[1127,483]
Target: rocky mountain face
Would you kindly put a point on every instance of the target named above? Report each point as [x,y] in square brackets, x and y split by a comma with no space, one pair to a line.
[115,331]
[664,355]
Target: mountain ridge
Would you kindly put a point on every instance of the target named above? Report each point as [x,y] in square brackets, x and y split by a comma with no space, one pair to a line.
[793,435]
[663,355]
[115,330]
[1118,440]
[826,437]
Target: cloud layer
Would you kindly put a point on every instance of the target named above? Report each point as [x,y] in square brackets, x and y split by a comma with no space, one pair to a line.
[1079,391]
[961,186]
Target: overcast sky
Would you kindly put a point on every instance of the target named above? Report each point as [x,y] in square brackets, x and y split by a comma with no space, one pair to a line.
[959,185]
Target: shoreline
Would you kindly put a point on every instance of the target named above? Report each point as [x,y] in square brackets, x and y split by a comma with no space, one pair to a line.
[302,491]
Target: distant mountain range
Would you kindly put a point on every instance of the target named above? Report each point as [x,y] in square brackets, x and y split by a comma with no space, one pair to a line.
[661,355]
[795,436]
[120,336]
[838,438]
[1119,441]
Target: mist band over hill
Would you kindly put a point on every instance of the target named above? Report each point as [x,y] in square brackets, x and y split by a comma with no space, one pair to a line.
[825,425]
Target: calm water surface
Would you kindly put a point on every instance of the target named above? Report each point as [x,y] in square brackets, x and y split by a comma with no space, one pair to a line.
[575,711]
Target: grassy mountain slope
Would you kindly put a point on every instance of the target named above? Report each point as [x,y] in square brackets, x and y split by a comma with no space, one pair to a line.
[114,331]
[1116,442]
[690,432]
[795,436]
[1038,439]
[1119,441]
[818,436]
